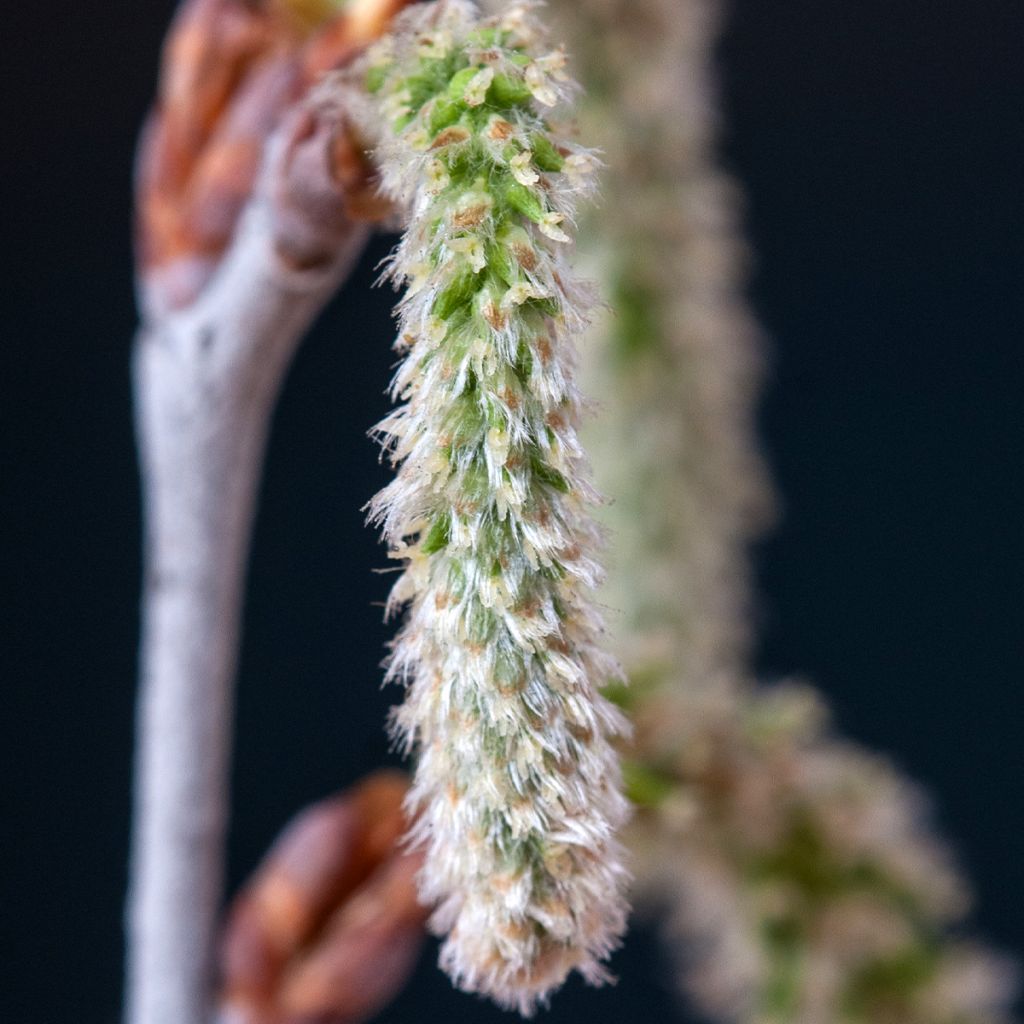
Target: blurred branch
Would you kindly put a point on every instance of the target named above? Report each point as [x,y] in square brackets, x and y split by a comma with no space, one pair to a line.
[251,211]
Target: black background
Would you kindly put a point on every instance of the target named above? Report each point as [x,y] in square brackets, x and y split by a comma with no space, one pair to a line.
[880,143]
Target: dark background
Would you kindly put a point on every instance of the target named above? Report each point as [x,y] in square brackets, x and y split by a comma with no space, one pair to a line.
[880,143]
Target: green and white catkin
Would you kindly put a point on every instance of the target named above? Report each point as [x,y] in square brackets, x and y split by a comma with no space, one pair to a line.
[517,786]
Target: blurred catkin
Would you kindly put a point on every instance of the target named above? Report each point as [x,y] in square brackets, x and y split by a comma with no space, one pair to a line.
[517,786]
[798,873]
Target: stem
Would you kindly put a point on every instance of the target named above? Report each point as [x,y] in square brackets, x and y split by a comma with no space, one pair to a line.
[206,379]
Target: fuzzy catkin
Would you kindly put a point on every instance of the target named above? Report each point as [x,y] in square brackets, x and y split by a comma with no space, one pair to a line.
[517,786]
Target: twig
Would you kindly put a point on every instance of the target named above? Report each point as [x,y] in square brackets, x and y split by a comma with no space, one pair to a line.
[206,379]
[221,322]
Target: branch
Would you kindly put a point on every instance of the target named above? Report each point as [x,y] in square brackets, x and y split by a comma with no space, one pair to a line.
[223,312]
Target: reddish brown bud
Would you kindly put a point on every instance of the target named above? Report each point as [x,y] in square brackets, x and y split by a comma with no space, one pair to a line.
[328,928]
[232,71]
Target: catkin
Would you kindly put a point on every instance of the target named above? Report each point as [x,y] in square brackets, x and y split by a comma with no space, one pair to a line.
[517,787]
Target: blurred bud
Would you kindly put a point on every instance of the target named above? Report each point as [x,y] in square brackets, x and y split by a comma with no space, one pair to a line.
[328,928]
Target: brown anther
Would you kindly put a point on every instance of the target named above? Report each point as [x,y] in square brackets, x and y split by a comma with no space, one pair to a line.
[543,346]
[581,733]
[470,216]
[494,316]
[559,645]
[515,931]
[510,687]
[500,129]
[553,907]
[449,136]
[525,255]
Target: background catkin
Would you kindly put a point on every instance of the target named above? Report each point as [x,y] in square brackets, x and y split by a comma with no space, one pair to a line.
[798,874]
